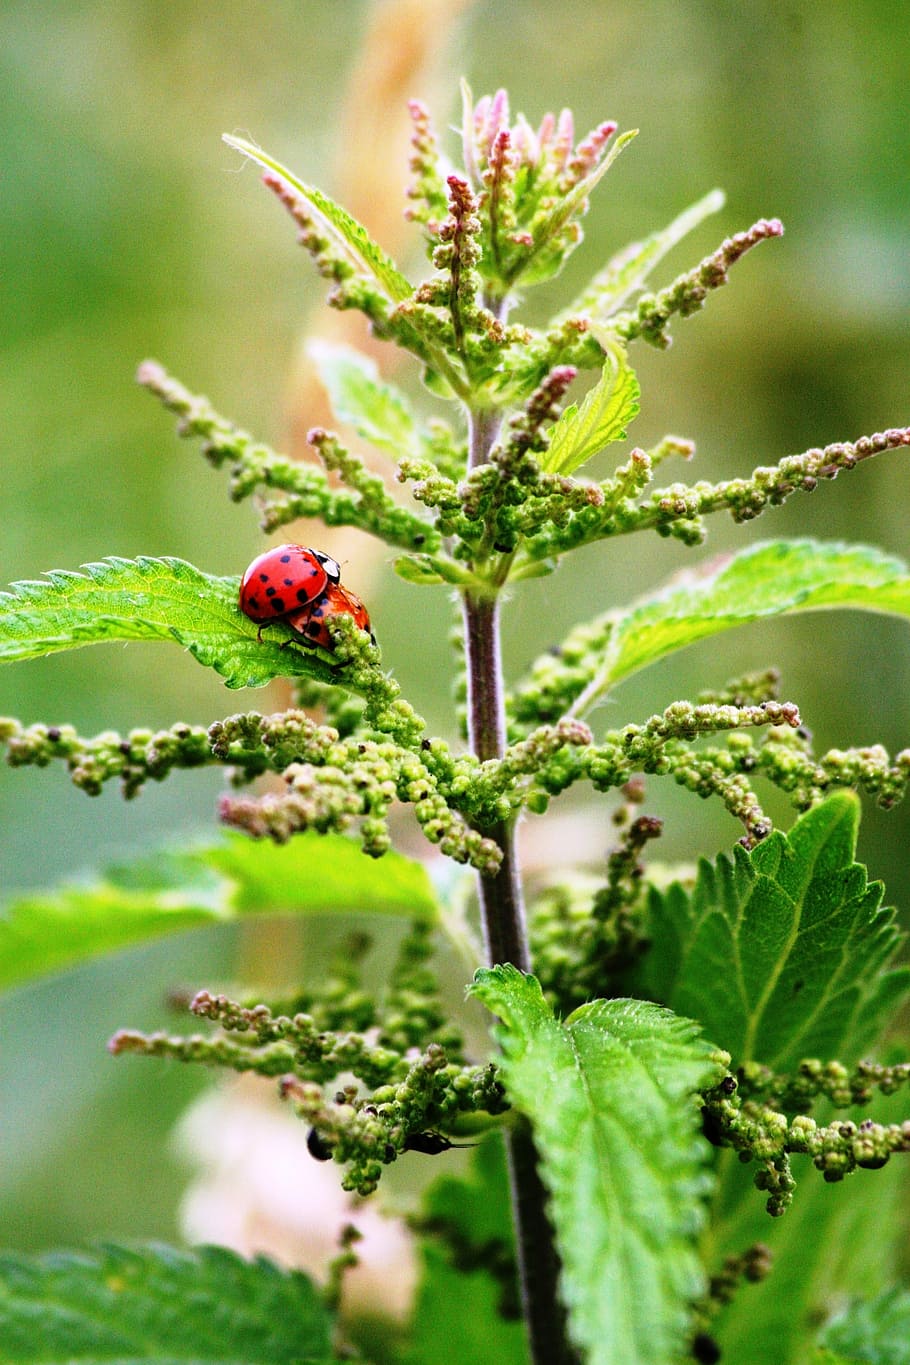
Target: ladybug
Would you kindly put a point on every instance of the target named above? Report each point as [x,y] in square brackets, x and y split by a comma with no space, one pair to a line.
[309,623]
[284,580]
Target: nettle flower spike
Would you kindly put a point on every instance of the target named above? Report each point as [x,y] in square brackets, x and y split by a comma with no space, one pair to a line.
[532,186]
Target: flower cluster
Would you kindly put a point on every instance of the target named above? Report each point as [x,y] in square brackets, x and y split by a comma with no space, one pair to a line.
[760,1132]
[412,1083]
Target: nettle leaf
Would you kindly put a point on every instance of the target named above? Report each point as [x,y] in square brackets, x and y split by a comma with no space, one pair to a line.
[364,252]
[158,1304]
[605,413]
[781,953]
[149,599]
[427,569]
[628,271]
[876,1332]
[377,410]
[771,578]
[167,894]
[608,1092]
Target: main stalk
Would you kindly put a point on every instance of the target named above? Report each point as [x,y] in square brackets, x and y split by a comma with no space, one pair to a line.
[506,940]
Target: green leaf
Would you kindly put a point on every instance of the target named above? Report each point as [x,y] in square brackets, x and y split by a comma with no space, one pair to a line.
[364,252]
[877,1331]
[312,874]
[629,270]
[605,412]
[377,410]
[608,1092]
[148,599]
[161,1305]
[426,569]
[457,1313]
[771,578]
[782,953]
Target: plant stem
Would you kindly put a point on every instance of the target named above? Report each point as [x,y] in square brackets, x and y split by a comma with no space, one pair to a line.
[506,940]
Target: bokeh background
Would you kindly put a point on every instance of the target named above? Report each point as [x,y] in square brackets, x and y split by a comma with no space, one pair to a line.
[128,230]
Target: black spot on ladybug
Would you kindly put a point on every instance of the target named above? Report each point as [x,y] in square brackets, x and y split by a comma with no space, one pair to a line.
[270,592]
[285,559]
[312,628]
[276,604]
[289,582]
[302,595]
[263,578]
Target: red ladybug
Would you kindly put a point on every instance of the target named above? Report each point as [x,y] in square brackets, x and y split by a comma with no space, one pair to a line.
[284,580]
[310,622]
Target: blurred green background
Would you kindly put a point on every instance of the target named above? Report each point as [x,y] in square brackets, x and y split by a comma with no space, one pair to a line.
[127,232]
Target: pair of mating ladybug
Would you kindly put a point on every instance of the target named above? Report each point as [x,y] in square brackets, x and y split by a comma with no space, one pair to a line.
[302,589]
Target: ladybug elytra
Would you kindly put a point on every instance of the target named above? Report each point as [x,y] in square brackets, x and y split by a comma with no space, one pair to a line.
[299,587]
[310,622]
[283,580]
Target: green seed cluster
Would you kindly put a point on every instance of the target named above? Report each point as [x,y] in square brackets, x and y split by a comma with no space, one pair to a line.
[746,1267]
[759,1132]
[334,783]
[679,510]
[135,758]
[814,1079]
[663,747]
[584,937]
[411,1075]
[352,288]
[687,294]
[292,489]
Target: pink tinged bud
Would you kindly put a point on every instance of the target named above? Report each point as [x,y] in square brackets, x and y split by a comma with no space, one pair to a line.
[480,112]
[525,142]
[498,117]
[545,132]
[565,136]
[589,151]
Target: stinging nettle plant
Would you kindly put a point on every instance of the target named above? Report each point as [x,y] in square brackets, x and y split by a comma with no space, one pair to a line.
[660,1042]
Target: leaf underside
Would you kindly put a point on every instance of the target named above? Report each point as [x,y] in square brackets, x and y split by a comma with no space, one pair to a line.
[767,579]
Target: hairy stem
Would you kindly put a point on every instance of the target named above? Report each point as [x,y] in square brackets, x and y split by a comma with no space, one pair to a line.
[506,940]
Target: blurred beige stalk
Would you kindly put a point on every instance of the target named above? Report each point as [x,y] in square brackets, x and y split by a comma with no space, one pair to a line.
[407,50]
[257,1189]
